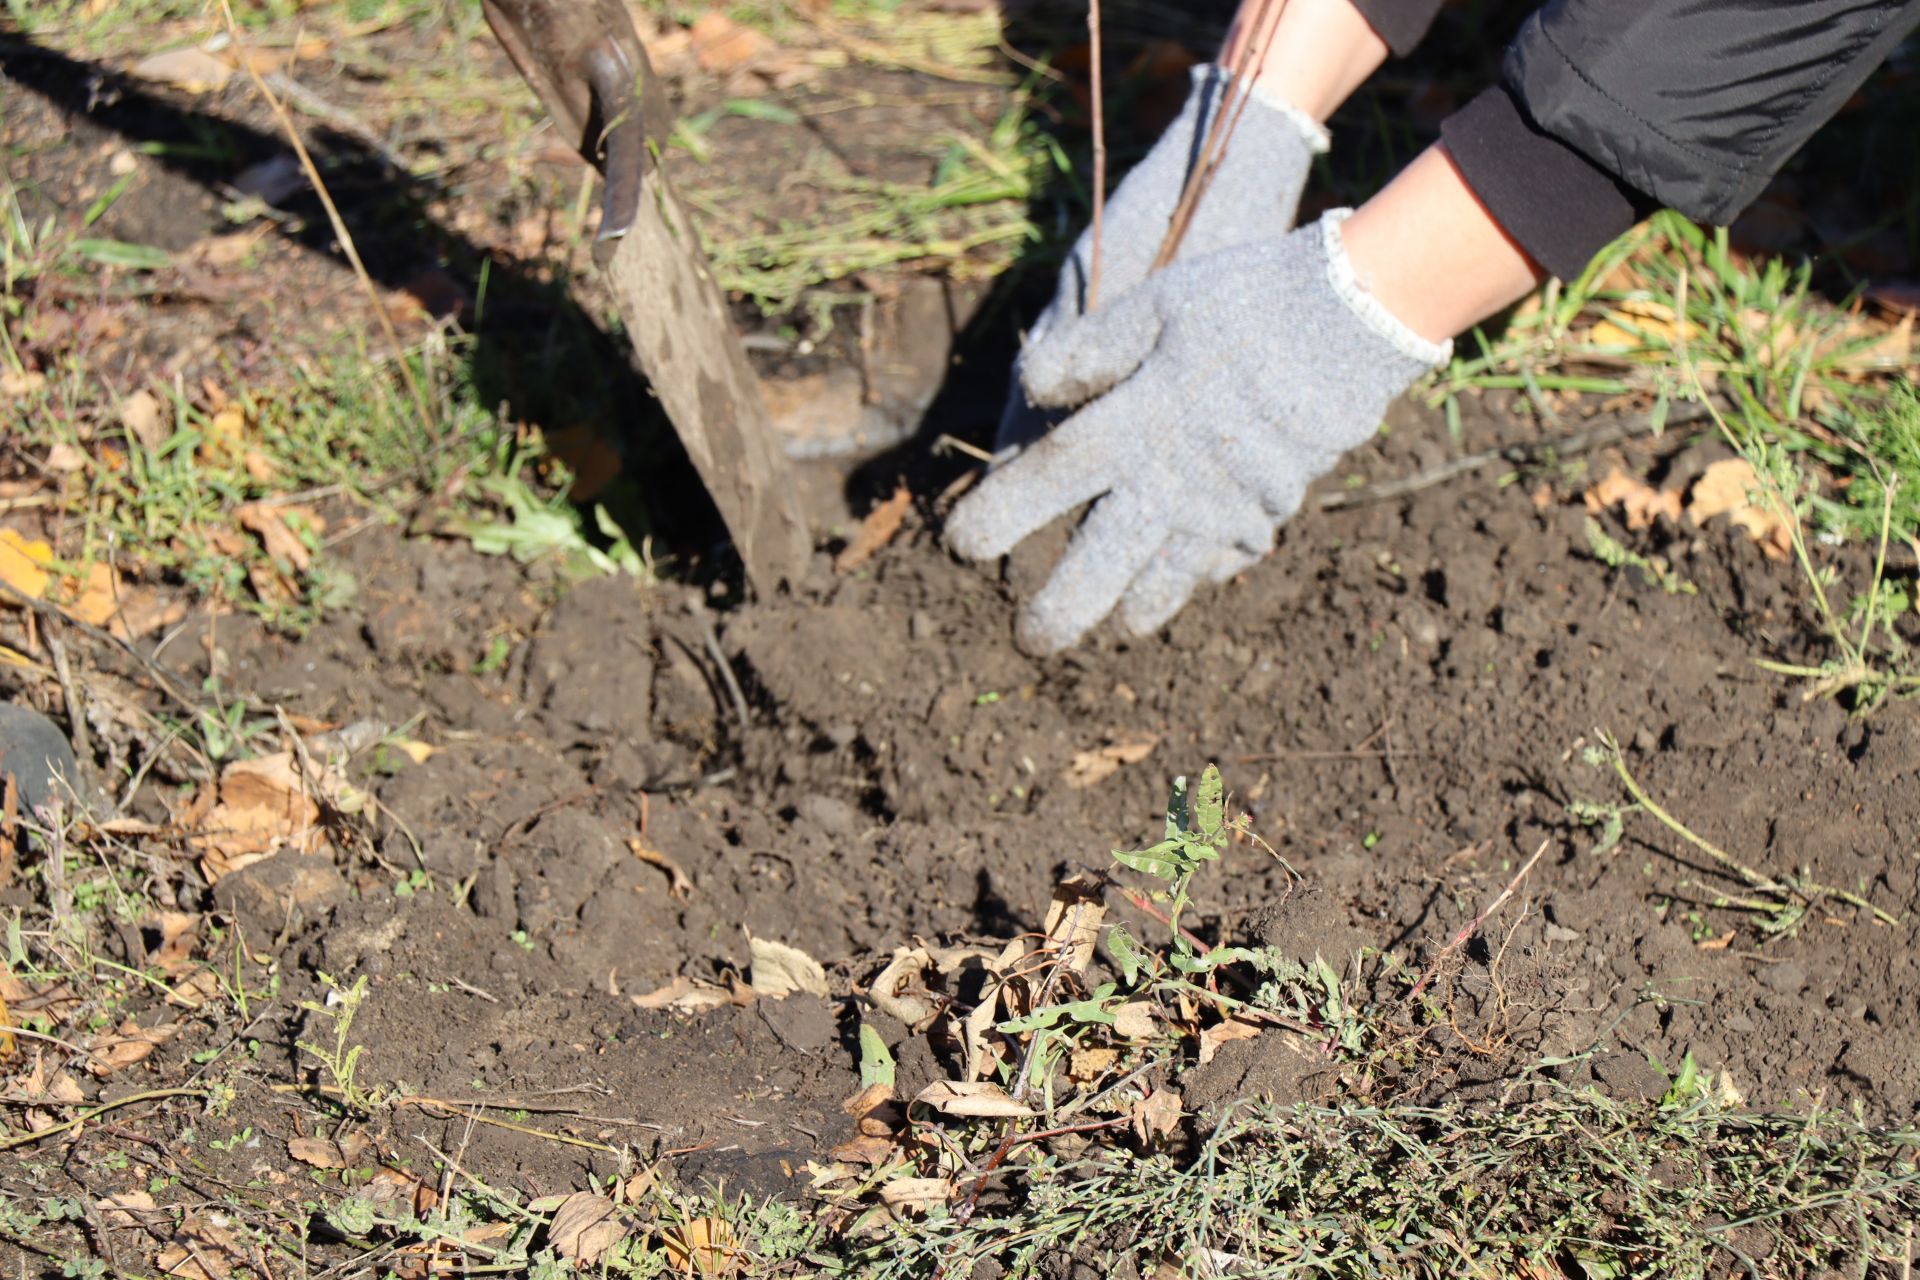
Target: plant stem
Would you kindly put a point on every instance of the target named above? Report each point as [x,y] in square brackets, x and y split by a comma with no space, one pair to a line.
[1808,890]
[1099,105]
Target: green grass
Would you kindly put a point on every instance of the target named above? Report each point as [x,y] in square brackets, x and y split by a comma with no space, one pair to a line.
[967,221]
[1795,369]
[1545,1181]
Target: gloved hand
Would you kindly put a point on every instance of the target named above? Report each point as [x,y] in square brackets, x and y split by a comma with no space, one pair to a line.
[1255,190]
[1212,395]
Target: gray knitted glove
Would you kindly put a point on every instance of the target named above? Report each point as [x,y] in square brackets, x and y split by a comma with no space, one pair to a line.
[1213,394]
[1255,190]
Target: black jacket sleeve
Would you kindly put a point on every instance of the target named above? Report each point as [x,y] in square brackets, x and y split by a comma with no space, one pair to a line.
[1689,104]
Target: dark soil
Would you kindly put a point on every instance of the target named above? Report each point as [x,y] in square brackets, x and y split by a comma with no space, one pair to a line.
[1398,696]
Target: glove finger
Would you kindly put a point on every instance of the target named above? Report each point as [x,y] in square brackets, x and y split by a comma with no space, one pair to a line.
[1238,522]
[1118,538]
[1020,423]
[1058,472]
[1079,359]
[1167,582]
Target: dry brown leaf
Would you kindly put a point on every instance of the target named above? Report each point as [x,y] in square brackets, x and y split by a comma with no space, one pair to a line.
[702,1247]
[1224,1033]
[63,459]
[269,524]
[865,1148]
[1156,1115]
[224,441]
[1134,1020]
[126,1209]
[983,1049]
[900,990]
[876,531]
[401,1191]
[885,1119]
[1073,919]
[325,1153]
[263,806]
[777,970]
[1641,502]
[142,610]
[131,1044]
[1723,489]
[179,930]
[979,1099]
[585,1227]
[679,883]
[905,1196]
[722,45]
[194,990]
[191,70]
[1100,763]
[1720,943]
[684,995]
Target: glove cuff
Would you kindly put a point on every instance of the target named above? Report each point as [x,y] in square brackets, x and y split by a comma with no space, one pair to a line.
[1310,131]
[1368,309]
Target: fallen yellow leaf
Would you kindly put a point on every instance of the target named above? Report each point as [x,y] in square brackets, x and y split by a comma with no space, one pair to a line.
[1100,763]
[1724,489]
[1640,501]
[23,563]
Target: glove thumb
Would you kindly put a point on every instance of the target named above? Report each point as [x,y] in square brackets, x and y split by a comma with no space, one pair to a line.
[1082,358]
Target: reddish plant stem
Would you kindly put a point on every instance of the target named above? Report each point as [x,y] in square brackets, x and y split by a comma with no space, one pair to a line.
[1243,70]
[1099,151]
[1473,926]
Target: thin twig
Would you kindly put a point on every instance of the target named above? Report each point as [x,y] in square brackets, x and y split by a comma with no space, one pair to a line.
[1526,453]
[161,676]
[152,1095]
[1805,889]
[420,401]
[1242,70]
[1473,926]
[70,692]
[1099,153]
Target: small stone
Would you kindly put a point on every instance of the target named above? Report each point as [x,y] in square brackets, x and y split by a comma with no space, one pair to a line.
[1789,978]
[919,626]
[35,754]
[831,814]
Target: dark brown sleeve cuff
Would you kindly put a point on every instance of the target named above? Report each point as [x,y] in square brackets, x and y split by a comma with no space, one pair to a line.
[1401,23]
[1557,204]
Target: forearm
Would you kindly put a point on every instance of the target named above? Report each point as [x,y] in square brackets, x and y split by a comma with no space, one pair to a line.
[1316,52]
[1431,252]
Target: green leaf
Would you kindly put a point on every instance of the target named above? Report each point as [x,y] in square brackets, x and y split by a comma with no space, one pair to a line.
[876,1063]
[1210,803]
[1217,957]
[1176,810]
[118,253]
[1156,860]
[1126,953]
[755,109]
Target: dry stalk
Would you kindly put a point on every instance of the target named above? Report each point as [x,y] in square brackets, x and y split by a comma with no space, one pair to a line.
[340,232]
[1473,926]
[1243,68]
[1099,151]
